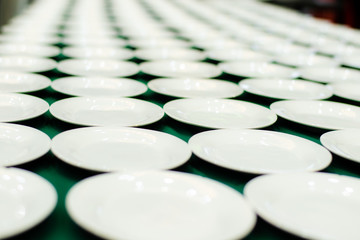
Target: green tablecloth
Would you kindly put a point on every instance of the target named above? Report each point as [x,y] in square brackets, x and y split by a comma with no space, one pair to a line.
[63,176]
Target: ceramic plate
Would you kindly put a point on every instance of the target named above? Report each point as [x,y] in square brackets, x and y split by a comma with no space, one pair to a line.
[259,151]
[236,54]
[306,60]
[94,42]
[286,88]
[159,205]
[309,205]
[32,39]
[28,50]
[344,143]
[195,88]
[320,114]
[22,82]
[219,113]
[177,68]
[98,86]
[329,74]
[106,111]
[21,205]
[351,61]
[17,107]
[157,43]
[169,53]
[98,67]
[348,90]
[120,149]
[20,144]
[24,63]
[258,69]
[98,52]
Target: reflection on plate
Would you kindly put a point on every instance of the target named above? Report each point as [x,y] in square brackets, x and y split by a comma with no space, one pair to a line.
[159,205]
[24,63]
[28,50]
[195,88]
[94,42]
[329,74]
[17,107]
[309,205]
[258,69]
[11,81]
[219,113]
[20,144]
[98,67]
[320,114]
[286,88]
[169,53]
[120,149]
[348,90]
[98,52]
[106,111]
[306,60]
[97,86]
[177,68]
[157,42]
[259,151]
[21,205]
[236,54]
[345,143]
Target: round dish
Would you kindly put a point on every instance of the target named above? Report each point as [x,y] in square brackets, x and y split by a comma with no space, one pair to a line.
[320,114]
[159,205]
[26,63]
[306,60]
[21,206]
[344,143]
[236,54]
[110,149]
[286,88]
[195,88]
[106,111]
[177,68]
[98,52]
[98,67]
[258,69]
[157,42]
[309,205]
[97,86]
[154,54]
[11,81]
[351,61]
[259,151]
[219,113]
[348,90]
[21,144]
[94,42]
[17,107]
[28,50]
[329,74]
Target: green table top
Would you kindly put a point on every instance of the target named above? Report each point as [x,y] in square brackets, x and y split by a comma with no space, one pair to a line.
[63,176]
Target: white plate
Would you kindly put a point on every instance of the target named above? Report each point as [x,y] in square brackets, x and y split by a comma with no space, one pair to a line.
[106,111]
[24,63]
[219,113]
[98,86]
[258,69]
[169,53]
[22,82]
[98,52]
[177,68]
[306,60]
[26,200]
[32,39]
[320,114]
[94,42]
[352,61]
[157,42]
[20,144]
[159,205]
[259,151]
[195,88]
[345,143]
[348,90]
[98,67]
[286,88]
[329,74]
[28,50]
[236,54]
[17,107]
[120,149]
[310,205]
[217,43]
